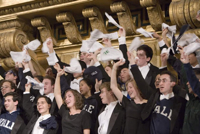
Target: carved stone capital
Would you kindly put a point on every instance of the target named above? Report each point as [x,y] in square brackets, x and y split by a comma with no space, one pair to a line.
[124,16]
[70,27]
[148,3]
[11,41]
[184,12]
[44,28]
[156,17]
[95,17]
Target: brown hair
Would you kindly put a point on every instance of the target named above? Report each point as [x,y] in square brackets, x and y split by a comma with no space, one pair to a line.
[78,98]
[13,86]
[107,86]
[134,85]
[50,78]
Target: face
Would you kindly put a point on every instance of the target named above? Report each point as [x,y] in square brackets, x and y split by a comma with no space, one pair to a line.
[83,57]
[143,60]
[70,99]
[9,104]
[157,81]
[42,106]
[165,85]
[84,88]
[49,72]
[124,75]
[6,88]
[105,95]
[48,88]
[108,70]
[132,91]
[192,59]
[10,75]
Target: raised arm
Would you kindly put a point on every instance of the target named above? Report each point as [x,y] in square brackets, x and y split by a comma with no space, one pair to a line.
[57,89]
[141,83]
[113,81]
[193,80]
[27,104]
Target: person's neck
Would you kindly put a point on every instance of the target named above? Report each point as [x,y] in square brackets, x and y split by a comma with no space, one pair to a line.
[45,113]
[73,111]
[167,92]
[111,99]
[13,110]
[78,77]
[87,95]
[139,100]
[144,65]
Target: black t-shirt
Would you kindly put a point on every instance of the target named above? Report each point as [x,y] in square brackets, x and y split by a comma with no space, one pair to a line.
[93,105]
[161,117]
[74,124]
[134,123]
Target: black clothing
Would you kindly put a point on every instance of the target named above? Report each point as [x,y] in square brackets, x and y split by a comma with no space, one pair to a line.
[93,105]
[74,124]
[134,123]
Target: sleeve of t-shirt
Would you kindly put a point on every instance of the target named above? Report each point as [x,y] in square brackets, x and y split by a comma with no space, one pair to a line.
[86,120]
[62,110]
[125,101]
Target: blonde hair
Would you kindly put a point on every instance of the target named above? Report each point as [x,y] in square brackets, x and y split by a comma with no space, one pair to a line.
[132,81]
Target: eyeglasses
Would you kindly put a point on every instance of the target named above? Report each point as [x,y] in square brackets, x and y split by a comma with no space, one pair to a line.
[10,72]
[4,87]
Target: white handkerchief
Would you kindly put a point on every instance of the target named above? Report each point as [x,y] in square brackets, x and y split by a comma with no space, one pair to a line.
[74,67]
[37,85]
[144,32]
[110,53]
[165,50]
[52,59]
[33,45]
[95,47]
[111,20]
[187,39]
[171,29]
[191,48]
[86,45]
[20,56]
[135,44]
[45,49]
[96,34]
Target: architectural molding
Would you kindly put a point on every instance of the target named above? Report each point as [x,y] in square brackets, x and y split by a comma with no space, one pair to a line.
[124,16]
[184,12]
[156,17]
[71,29]
[44,28]
[95,17]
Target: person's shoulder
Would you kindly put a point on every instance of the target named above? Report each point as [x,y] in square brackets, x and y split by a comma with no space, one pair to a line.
[154,67]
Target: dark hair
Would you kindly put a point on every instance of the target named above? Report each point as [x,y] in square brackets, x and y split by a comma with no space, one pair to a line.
[13,86]
[39,77]
[90,83]
[50,78]
[172,76]
[48,100]
[83,64]
[78,98]
[148,51]
[14,95]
